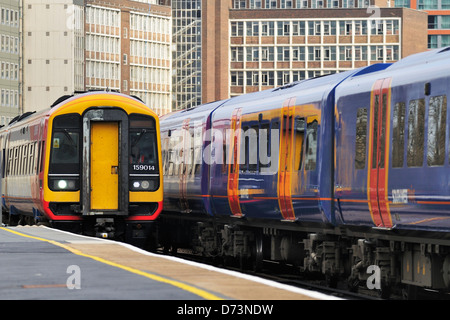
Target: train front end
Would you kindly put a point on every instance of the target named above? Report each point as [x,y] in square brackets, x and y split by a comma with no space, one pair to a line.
[102,174]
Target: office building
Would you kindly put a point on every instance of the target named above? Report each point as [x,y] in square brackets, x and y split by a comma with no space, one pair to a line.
[9,60]
[227,48]
[77,45]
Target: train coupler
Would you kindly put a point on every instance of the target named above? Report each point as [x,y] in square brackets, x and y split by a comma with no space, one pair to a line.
[104,228]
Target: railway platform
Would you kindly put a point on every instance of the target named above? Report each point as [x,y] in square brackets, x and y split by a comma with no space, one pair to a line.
[48,264]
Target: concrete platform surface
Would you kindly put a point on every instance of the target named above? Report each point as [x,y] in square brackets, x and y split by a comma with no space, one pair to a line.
[48,264]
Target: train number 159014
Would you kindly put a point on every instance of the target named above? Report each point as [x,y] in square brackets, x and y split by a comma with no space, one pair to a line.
[143,167]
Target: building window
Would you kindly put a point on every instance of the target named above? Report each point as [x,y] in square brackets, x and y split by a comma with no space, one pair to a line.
[253,54]
[283,28]
[267,53]
[298,53]
[283,77]
[252,28]
[298,28]
[237,29]
[271,4]
[255,4]
[345,53]
[240,4]
[252,78]
[267,28]
[283,53]
[237,54]
[237,78]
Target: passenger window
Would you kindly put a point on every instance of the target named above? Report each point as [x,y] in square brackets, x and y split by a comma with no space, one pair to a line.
[253,136]
[311,144]
[243,159]
[299,136]
[361,138]
[398,139]
[264,146]
[416,139]
[437,120]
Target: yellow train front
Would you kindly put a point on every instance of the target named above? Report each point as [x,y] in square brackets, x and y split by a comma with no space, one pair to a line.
[90,164]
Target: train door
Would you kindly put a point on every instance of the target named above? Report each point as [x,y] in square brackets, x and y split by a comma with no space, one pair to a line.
[379,154]
[105,186]
[104,166]
[184,165]
[288,142]
[233,161]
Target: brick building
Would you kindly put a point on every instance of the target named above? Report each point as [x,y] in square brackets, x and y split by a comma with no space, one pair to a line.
[438,19]
[250,45]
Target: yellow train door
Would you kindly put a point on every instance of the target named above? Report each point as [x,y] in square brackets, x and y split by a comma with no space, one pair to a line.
[104,166]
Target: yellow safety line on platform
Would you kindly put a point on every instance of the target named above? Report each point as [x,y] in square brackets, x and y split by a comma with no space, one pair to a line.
[202,293]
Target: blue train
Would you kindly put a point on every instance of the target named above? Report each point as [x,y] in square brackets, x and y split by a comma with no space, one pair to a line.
[340,175]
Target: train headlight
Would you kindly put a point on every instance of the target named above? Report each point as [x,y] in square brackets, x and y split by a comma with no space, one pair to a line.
[144,185]
[62,184]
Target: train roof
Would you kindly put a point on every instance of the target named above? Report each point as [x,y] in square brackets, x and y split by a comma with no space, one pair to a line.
[29,116]
[427,57]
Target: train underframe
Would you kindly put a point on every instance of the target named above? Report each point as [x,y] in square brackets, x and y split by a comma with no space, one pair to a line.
[386,261]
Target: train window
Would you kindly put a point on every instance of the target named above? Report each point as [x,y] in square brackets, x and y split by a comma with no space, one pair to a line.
[383,130]
[253,142]
[16,161]
[30,158]
[190,156]
[299,137]
[398,132]
[10,162]
[361,138]
[437,119]
[264,146]
[24,160]
[65,145]
[416,126]
[311,144]
[243,159]
[143,145]
[197,159]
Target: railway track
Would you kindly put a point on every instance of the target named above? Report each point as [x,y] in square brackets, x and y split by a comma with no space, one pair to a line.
[283,274]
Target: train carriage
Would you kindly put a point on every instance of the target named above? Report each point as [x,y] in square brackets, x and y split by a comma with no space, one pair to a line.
[333,175]
[392,154]
[90,163]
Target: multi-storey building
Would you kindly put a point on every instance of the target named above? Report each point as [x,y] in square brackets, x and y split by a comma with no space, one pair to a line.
[9,60]
[438,19]
[187,53]
[53,51]
[76,45]
[270,50]
[128,49]
[250,45]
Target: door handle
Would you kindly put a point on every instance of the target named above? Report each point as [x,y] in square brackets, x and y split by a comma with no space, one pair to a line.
[114,169]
